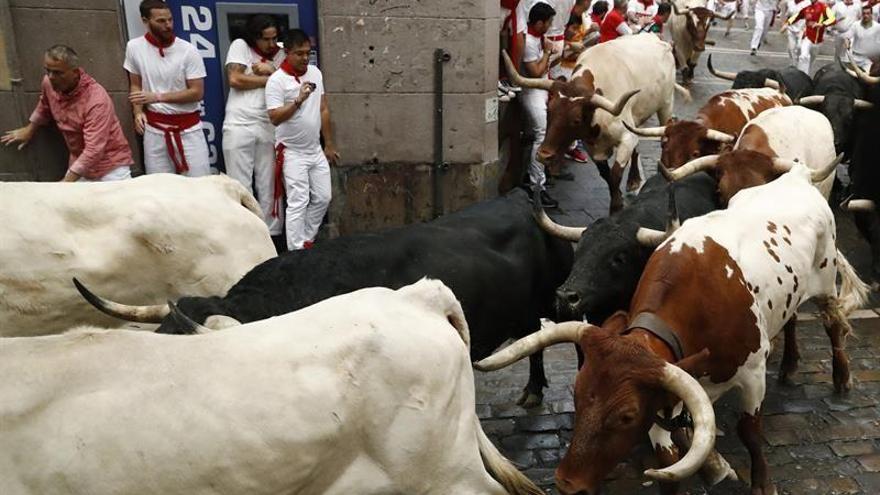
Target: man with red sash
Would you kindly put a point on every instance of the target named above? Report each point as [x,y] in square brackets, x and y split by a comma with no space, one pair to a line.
[166,80]
[248,136]
[817,16]
[298,109]
[614,24]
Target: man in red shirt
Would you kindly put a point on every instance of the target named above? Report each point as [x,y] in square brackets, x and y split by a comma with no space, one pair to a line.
[84,113]
[614,24]
[817,16]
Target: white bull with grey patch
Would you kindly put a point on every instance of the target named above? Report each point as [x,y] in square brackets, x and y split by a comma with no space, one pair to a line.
[153,238]
[371,392]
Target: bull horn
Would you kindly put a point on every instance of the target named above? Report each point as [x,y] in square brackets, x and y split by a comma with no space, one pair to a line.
[183,323]
[709,42]
[783,165]
[139,314]
[858,205]
[613,108]
[570,331]
[652,238]
[847,69]
[524,82]
[696,165]
[721,137]
[860,73]
[730,76]
[679,383]
[571,234]
[821,174]
[771,83]
[686,11]
[648,132]
[859,104]
[811,100]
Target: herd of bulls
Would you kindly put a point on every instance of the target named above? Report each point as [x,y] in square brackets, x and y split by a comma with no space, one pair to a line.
[339,369]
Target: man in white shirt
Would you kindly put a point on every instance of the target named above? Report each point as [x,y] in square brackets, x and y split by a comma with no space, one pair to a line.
[794,31]
[298,109]
[555,33]
[847,13]
[536,63]
[764,12]
[166,82]
[248,136]
[866,39]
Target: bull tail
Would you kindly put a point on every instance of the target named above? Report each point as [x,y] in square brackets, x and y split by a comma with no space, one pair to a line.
[853,292]
[684,92]
[501,469]
[440,298]
[239,193]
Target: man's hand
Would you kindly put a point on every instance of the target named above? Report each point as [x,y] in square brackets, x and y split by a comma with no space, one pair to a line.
[331,154]
[140,123]
[304,91]
[21,135]
[262,69]
[143,97]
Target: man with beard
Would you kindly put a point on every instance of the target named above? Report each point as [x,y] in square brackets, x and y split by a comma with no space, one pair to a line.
[84,113]
[166,80]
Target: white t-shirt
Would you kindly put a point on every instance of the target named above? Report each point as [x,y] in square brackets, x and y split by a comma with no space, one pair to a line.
[847,15]
[302,131]
[247,106]
[532,52]
[638,8]
[793,7]
[765,5]
[165,74]
[866,44]
[560,20]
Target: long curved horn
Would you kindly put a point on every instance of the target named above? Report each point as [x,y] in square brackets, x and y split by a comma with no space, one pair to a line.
[613,108]
[140,314]
[721,137]
[184,323]
[821,174]
[848,69]
[653,238]
[771,83]
[679,383]
[571,234]
[710,42]
[730,76]
[696,165]
[807,101]
[686,11]
[648,132]
[860,73]
[525,82]
[862,104]
[858,205]
[570,331]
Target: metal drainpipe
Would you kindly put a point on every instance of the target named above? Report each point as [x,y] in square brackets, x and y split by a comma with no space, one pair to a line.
[440,57]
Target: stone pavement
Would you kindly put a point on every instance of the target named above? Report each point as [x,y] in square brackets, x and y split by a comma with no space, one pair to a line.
[815,442]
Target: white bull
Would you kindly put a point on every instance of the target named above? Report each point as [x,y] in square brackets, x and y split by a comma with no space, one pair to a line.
[153,238]
[371,392]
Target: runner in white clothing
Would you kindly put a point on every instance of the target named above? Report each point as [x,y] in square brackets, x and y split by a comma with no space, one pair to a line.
[794,31]
[248,136]
[764,12]
[866,39]
[847,13]
[166,81]
[298,109]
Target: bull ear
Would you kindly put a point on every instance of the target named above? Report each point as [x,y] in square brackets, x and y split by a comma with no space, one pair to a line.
[696,365]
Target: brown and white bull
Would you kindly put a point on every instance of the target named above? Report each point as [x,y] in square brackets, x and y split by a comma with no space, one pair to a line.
[631,79]
[767,137]
[153,238]
[770,250]
[371,392]
[715,127]
[689,25]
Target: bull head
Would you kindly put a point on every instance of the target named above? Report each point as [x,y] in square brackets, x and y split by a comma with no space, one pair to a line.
[731,76]
[618,393]
[857,72]
[140,314]
[684,140]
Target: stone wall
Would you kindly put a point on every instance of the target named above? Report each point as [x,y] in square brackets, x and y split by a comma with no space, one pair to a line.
[92,28]
[378,60]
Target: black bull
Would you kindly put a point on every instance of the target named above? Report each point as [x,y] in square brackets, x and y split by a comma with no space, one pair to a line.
[493,255]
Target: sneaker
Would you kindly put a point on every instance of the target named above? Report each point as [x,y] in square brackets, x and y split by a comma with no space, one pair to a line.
[547,201]
[753,52]
[510,88]
[577,155]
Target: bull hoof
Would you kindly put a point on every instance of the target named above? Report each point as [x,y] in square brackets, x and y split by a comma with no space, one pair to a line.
[841,387]
[529,399]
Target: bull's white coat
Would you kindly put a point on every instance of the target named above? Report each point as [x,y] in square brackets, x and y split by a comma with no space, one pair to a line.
[370,392]
[681,38]
[642,62]
[141,241]
[789,201]
[798,133]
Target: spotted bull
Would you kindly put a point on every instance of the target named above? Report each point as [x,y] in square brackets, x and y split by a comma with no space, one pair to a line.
[630,79]
[715,127]
[770,250]
[689,26]
[792,80]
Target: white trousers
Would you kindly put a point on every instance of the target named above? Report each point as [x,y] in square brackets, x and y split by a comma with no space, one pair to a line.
[762,25]
[807,54]
[249,153]
[840,40]
[307,182]
[121,172]
[794,43]
[534,103]
[744,9]
[157,160]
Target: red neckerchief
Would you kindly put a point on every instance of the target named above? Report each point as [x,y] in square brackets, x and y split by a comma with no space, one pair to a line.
[646,3]
[155,42]
[286,67]
[535,34]
[266,56]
